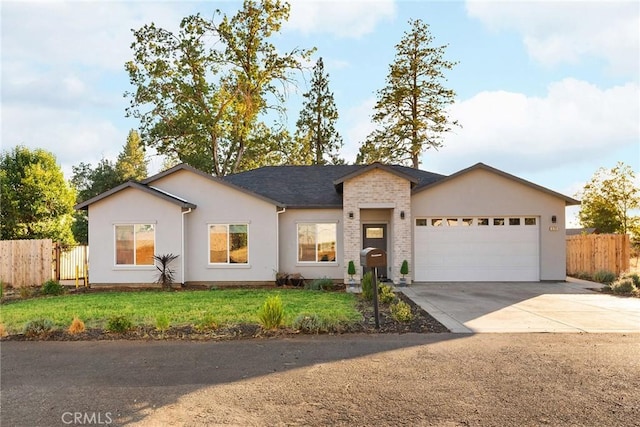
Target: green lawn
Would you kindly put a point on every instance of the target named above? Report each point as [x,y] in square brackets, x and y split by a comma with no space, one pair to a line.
[232,306]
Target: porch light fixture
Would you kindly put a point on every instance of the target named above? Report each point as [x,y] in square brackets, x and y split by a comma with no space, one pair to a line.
[553,219]
[350,215]
[401,214]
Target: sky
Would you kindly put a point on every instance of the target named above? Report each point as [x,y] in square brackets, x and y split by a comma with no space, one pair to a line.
[547,91]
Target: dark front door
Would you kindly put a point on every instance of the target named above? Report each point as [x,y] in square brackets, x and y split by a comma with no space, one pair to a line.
[375,236]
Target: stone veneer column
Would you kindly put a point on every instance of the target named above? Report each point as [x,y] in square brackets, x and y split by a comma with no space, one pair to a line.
[384,189]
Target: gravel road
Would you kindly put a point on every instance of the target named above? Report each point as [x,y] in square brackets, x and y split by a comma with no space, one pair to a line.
[353,379]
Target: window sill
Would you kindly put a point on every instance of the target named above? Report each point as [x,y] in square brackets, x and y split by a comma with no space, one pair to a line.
[318,264]
[231,266]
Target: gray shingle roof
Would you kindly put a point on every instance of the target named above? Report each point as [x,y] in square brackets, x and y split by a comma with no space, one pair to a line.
[310,186]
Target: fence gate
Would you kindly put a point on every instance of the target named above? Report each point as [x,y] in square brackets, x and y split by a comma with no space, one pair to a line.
[69,261]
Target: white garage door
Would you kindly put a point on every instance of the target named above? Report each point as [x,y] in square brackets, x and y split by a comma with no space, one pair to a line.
[477,249]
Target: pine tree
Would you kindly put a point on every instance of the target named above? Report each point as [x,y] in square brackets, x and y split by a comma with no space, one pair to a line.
[316,136]
[411,110]
[131,163]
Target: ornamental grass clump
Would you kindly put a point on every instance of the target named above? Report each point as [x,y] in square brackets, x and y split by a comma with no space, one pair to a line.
[77,326]
[271,314]
[38,327]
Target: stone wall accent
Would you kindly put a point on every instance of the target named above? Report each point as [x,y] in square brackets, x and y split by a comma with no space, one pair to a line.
[380,189]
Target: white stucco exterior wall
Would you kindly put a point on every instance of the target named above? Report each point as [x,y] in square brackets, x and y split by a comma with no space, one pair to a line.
[218,203]
[483,193]
[288,254]
[131,206]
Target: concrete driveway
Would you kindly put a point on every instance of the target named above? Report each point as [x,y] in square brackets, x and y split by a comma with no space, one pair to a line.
[526,307]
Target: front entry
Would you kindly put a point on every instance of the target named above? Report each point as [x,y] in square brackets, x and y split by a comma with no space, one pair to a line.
[375,236]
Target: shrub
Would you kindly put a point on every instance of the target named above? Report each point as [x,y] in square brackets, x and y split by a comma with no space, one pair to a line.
[623,286]
[582,275]
[404,268]
[351,269]
[367,286]
[26,292]
[386,294]
[208,321]
[77,326]
[162,322]
[52,287]
[119,324]
[604,276]
[310,323]
[323,284]
[166,275]
[38,327]
[401,311]
[635,279]
[271,314]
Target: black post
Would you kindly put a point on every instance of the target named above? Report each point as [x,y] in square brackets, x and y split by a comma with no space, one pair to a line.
[374,281]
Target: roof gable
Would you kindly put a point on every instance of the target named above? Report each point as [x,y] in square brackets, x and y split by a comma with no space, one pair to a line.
[373,166]
[138,186]
[481,166]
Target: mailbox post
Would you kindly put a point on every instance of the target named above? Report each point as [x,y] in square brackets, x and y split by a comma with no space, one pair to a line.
[373,258]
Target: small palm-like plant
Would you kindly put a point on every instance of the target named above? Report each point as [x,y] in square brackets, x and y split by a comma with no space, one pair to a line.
[166,275]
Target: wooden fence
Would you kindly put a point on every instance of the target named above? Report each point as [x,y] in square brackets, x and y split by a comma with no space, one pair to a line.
[594,252]
[26,262]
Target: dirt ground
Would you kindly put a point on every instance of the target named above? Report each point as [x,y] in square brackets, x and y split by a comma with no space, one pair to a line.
[353,379]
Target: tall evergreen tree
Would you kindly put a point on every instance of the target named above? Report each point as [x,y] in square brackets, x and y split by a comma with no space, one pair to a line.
[131,163]
[316,136]
[411,111]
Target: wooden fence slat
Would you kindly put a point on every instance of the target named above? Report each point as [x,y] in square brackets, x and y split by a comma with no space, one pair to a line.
[25,262]
[594,252]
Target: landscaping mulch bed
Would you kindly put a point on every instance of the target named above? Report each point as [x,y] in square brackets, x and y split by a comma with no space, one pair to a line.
[422,322]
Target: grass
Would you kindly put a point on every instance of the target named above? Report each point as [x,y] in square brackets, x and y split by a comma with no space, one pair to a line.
[233,306]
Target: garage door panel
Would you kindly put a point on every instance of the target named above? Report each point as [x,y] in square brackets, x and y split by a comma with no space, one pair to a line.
[477,253]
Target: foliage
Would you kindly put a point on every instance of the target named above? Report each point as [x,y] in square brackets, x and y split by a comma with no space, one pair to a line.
[52,287]
[386,294]
[608,199]
[131,163]
[323,284]
[401,311]
[26,292]
[166,275]
[207,321]
[623,286]
[162,322]
[37,202]
[38,327]
[77,326]
[310,323]
[318,141]
[271,314]
[194,307]
[411,111]
[199,92]
[3,331]
[604,276]
[119,324]
[367,286]
[404,268]
[635,278]
[351,269]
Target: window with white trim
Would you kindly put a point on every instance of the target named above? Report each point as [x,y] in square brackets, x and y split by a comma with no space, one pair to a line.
[317,242]
[135,244]
[228,244]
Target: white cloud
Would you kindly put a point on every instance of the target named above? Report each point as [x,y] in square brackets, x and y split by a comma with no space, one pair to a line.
[73,137]
[573,122]
[353,18]
[568,32]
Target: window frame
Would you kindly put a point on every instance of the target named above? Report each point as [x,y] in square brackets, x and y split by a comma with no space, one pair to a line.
[135,225]
[316,224]
[228,262]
